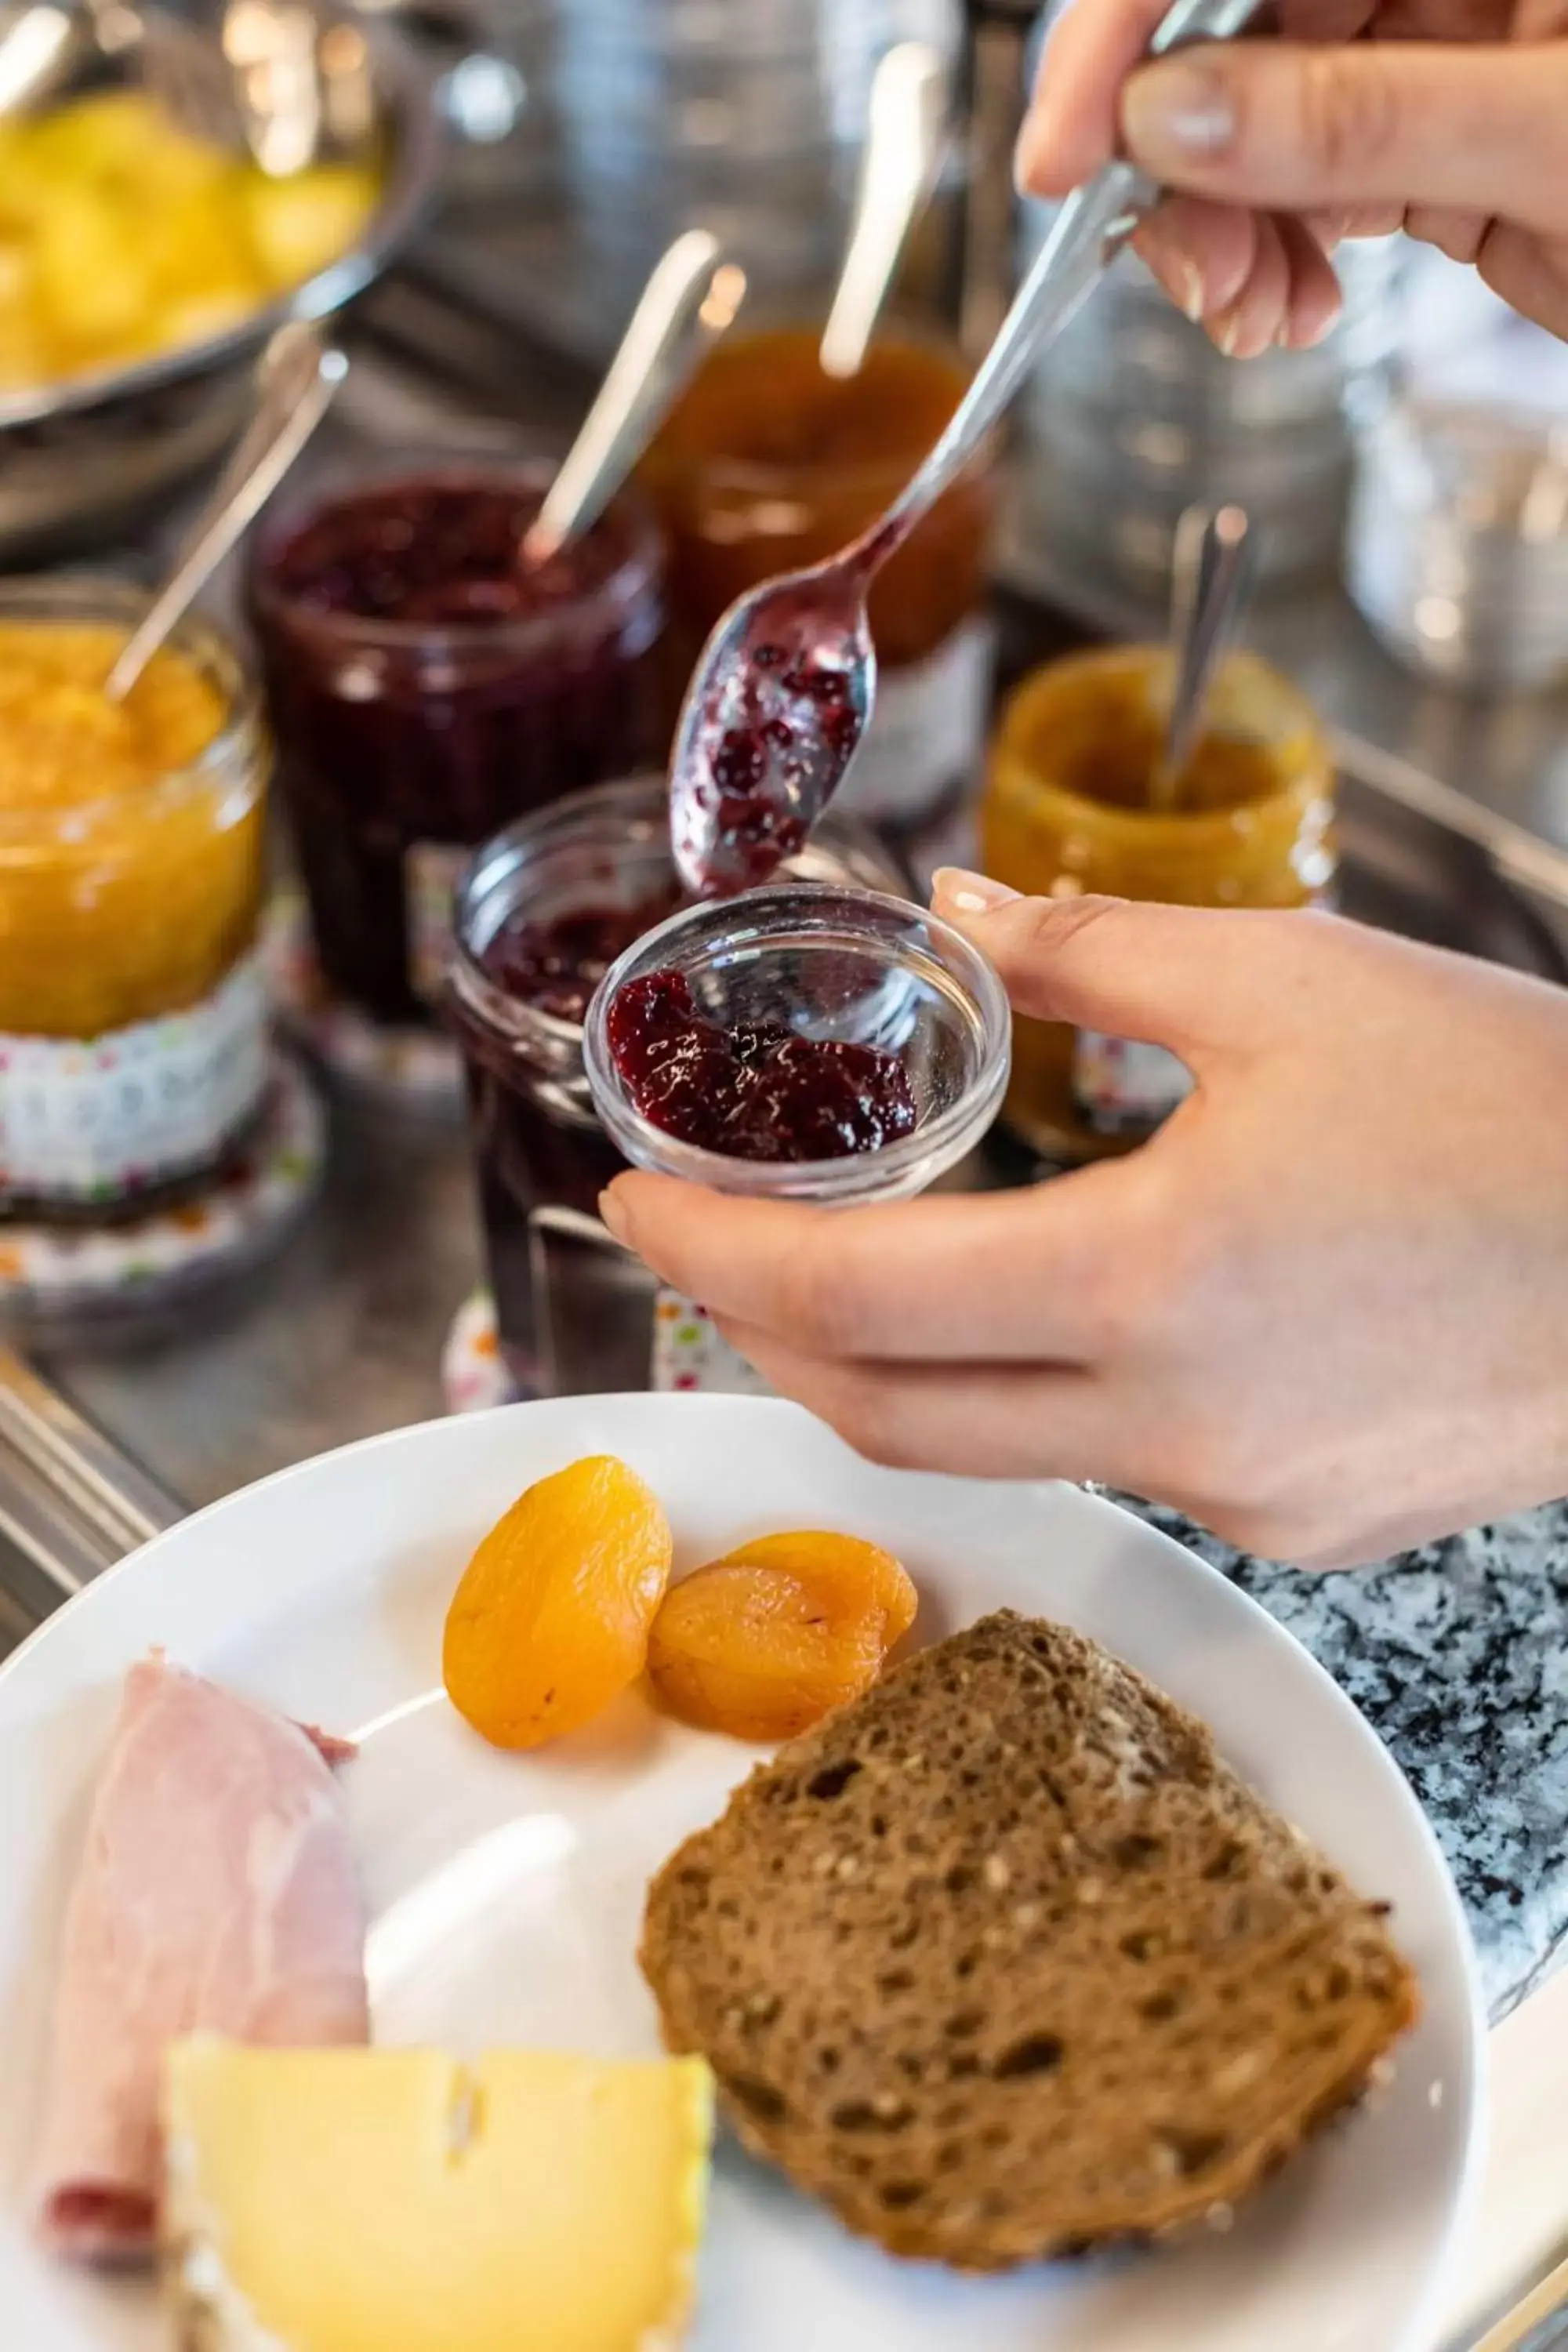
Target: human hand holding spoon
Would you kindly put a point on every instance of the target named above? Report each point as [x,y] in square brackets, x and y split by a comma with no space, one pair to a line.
[783,690]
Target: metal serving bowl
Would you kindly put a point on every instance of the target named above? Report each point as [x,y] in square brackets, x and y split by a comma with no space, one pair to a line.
[80,457]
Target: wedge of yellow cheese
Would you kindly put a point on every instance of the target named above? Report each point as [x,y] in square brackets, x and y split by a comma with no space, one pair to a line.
[393,2200]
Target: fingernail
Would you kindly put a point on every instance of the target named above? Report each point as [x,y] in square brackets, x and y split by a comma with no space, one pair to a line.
[970,894]
[1227,332]
[612,1216]
[1171,114]
[1024,154]
[1192,294]
[1323,330]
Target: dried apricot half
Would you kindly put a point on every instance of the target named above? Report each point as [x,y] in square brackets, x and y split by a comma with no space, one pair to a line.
[752,1652]
[846,1573]
[551,1618]
[766,1641]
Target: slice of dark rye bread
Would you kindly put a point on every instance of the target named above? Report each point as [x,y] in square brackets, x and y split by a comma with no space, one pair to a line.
[1002,1962]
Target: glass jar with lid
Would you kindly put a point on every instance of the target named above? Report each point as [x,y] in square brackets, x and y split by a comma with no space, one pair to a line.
[428,684]
[540,914]
[132,1013]
[1067,812]
[766,463]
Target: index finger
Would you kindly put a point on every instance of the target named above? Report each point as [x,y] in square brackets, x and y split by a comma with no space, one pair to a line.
[1072,125]
[1023,1276]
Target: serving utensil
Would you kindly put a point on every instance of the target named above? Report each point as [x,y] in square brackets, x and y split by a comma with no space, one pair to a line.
[783,691]
[905,137]
[278,82]
[1212,570]
[296,379]
[691,299]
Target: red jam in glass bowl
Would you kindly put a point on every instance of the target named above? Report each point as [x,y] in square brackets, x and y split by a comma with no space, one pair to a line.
[426,687]
[757,1091]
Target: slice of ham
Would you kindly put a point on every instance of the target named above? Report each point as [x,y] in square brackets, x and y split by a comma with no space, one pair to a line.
[216,1893]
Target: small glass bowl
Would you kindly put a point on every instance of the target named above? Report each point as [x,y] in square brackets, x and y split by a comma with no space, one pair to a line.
[827,962]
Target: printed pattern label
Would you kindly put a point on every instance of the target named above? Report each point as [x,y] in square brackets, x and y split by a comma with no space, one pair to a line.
[690,1354]
[430,871]
[97,1118]
[926,732]
[1123,1086]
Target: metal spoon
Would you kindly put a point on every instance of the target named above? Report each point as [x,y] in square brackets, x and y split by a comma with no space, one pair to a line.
[39,52]
[1212,568]
[784,688]
[296,379]
[691,299]
[905,136]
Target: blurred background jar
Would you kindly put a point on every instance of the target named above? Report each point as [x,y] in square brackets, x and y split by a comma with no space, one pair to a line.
[1066,814]
[132,1013]
[1132,416]
[745,117]
[426,686]
[1458,550]
[766,463]
[542,912]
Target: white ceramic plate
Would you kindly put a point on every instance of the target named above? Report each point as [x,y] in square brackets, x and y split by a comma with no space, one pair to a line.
[506,1891]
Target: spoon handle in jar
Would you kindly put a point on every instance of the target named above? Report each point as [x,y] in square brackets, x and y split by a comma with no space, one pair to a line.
[297,378]
[691,286]
[1088,231]
[904,141]
[1212,567]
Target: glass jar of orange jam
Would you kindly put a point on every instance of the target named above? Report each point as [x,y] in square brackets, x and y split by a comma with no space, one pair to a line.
[132,1013]
[1067,812]
[765,463]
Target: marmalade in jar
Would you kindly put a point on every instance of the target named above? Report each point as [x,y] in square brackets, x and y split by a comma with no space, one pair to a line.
[132,1025]
[1067,812]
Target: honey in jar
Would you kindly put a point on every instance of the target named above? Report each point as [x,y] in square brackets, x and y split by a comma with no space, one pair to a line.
[132,1016]
[766,464]
[1067,812]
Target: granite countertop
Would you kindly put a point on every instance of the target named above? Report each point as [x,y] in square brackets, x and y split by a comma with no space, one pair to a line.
[1457,1655]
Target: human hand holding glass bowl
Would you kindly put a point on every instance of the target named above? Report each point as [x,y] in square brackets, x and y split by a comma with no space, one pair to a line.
[808,1042]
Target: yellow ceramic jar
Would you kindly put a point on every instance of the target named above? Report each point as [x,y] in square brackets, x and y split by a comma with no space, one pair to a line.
[1067,812]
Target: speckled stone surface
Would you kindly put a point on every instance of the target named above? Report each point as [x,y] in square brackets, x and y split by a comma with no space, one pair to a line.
[1457,1655]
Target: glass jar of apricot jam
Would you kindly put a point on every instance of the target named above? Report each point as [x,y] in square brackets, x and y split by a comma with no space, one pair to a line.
[426,685]
[1067,812]
[540,914]
[132,1014]
[766,463]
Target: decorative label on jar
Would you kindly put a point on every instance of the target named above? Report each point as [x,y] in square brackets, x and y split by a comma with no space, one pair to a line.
[95,1120]
[689,1354]
[430,871]
[926,732]
[1123,1086]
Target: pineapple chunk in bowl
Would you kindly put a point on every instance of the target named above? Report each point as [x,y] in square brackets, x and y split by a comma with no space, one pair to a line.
[137,253]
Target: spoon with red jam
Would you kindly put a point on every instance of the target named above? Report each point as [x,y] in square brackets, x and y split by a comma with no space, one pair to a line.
[783,692]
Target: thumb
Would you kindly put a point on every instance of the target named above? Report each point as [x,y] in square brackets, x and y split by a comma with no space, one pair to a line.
[1475,128]
[1187,977]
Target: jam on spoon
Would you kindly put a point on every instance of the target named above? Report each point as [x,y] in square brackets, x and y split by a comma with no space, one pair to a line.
[753,1090]
[784,717]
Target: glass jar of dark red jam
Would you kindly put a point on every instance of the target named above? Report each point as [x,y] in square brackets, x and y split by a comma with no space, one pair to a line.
[427,687]
[540,914]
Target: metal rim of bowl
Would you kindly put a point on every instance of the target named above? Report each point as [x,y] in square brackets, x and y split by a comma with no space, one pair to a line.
[408,91]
